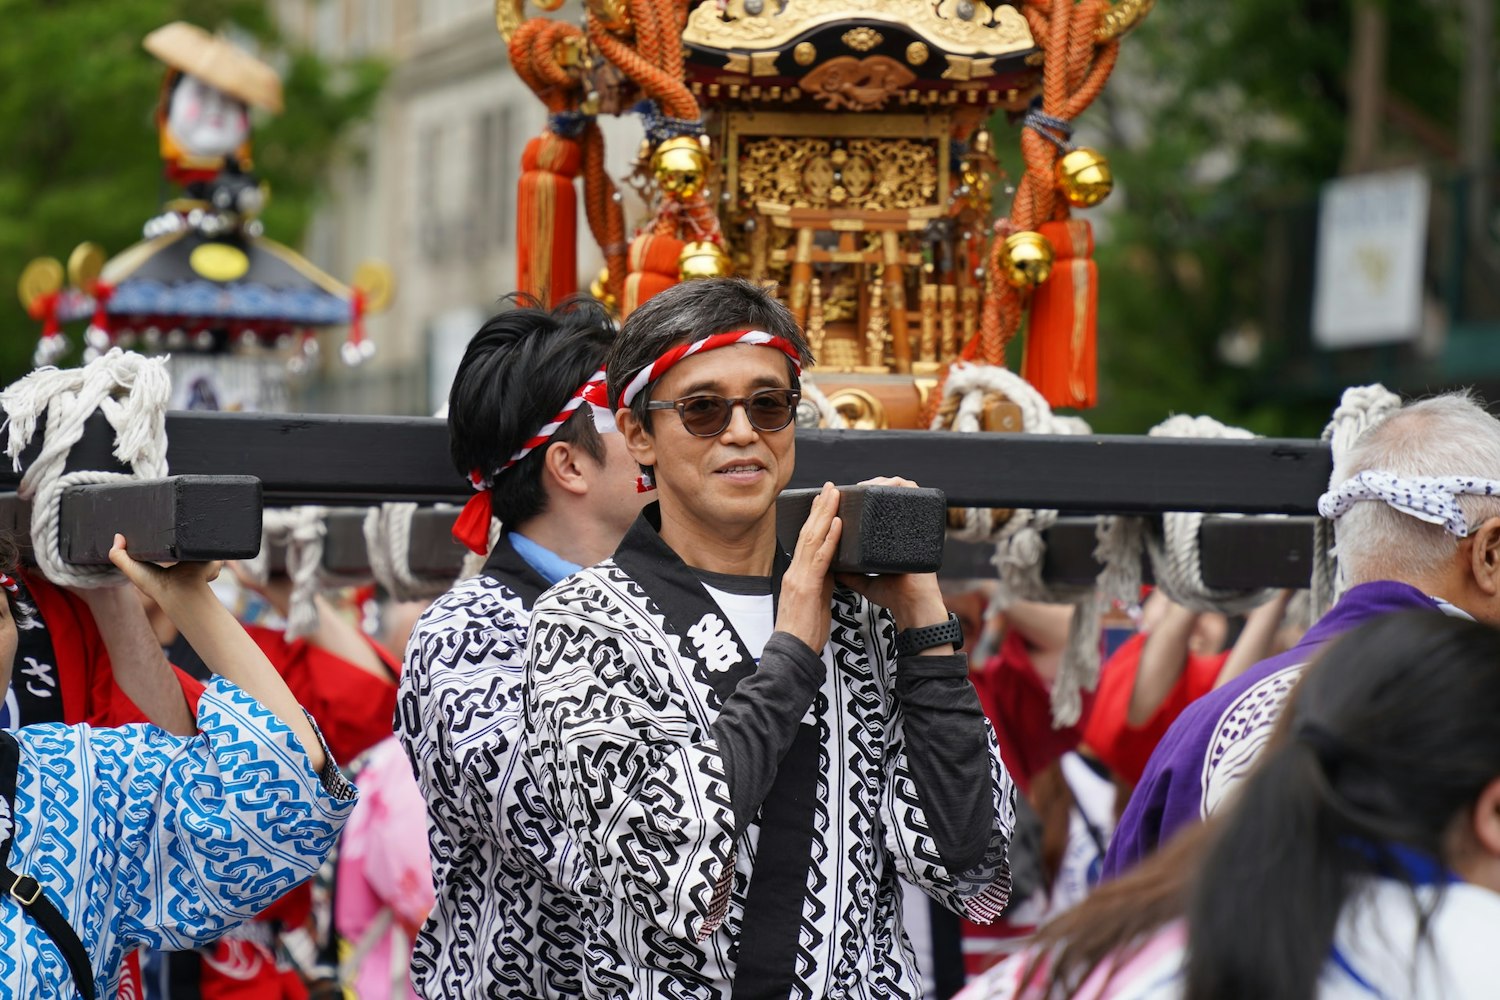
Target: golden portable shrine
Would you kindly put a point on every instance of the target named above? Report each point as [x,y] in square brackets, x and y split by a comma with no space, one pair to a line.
[205,278]
[840,150]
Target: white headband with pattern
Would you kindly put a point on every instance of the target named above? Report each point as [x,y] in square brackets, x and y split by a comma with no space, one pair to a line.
[1433,499]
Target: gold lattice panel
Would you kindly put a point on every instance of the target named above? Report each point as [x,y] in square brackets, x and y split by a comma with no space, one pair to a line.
[867,174]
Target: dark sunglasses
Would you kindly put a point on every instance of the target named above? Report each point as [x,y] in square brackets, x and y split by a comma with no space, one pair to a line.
[707,416]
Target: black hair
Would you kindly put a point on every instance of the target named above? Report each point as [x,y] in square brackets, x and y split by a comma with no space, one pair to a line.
[516,375]
[21,610]
[691,311]
[1388,738]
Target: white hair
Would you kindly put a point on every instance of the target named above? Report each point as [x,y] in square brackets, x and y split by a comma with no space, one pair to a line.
[1448,435]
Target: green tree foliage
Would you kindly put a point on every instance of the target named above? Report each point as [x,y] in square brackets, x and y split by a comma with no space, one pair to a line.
[77,96]
[1221,118]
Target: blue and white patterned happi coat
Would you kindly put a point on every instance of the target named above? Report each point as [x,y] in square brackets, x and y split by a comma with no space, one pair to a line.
[140,837]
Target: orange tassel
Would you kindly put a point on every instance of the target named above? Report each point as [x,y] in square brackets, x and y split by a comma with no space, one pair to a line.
[1061,345]
[653,269]
[547,219]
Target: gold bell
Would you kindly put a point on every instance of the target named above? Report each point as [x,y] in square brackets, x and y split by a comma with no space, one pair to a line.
[1027,260]
[703,260]
[1084,178]
[599,289]
[679,166]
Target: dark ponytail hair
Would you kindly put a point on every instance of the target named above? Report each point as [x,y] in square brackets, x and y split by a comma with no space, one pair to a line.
[1387,738]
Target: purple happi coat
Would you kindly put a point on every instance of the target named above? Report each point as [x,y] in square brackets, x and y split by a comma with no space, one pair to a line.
[1212,745]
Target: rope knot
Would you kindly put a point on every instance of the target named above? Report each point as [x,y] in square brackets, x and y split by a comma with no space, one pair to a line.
[568,124]
[660,127]
[1058,131]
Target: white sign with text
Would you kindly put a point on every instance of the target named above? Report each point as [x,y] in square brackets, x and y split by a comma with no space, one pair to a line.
[1372,242]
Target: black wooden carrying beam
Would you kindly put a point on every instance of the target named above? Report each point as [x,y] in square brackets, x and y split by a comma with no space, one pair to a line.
[432,552]
[359,460]
[188,518]
[1238,553]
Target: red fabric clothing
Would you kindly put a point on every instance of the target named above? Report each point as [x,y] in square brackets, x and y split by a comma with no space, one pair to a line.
[1019,706]
[352,707]
[1124,749]
[85,675]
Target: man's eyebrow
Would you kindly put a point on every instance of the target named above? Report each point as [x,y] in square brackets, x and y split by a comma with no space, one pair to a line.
[717,387]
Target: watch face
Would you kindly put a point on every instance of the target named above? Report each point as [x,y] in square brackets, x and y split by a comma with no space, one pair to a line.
[206,121]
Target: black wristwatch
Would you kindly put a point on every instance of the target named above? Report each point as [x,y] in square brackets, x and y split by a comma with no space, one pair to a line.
[913,640]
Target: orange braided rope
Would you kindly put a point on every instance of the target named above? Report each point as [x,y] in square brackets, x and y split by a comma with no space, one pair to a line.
[533,52]
[654,64]
[602,208]
[1074,73]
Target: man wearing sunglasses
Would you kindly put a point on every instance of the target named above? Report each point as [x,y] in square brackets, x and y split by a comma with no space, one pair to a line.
[746,753]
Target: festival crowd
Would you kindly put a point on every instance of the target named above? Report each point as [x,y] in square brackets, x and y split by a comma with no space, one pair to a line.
[649,751]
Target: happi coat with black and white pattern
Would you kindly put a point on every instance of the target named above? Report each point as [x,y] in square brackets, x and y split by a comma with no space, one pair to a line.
[628,664]
[500,927]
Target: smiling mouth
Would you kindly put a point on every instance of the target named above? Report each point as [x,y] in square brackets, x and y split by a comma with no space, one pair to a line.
[746,471]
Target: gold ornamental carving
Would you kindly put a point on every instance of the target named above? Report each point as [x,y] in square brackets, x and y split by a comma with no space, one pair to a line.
[874,174]
[862,39]
[856,84]
[508,17]
[861,410]
[806,53]
[916,53]
[991,31]
[964,68]
[1121,17]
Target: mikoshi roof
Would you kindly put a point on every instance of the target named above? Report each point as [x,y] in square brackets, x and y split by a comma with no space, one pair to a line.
[933,42]
[216,61]
[189,276]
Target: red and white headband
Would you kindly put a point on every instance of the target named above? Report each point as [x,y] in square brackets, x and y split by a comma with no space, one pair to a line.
[591,392]
[661,365]
[9,584]
[473,525]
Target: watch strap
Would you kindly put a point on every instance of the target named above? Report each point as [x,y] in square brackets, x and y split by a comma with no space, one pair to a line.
[913,640]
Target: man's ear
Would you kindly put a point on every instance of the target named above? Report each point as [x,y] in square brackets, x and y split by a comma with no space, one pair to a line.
[1487,819]
[561,468]
[1484,556]
[638,440]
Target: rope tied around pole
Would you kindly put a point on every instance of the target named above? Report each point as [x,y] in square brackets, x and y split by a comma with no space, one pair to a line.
[300,530]
[132,392]
[1176,553]
[1019,545]
[387,530]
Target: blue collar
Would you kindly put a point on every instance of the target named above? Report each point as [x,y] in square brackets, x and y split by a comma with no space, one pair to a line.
[548,564]
[1403,862]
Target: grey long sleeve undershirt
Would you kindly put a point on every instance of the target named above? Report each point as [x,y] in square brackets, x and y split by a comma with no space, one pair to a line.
[757,723]
[947,747]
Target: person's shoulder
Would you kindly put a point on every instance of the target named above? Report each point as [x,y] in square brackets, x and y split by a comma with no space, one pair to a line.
[1439,945]
[479,602]
[594,586]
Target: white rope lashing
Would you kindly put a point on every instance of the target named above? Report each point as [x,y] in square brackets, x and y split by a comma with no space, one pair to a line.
[1019,546]
[1360,408]
[828,415]
[1177,553]
[132,392]
[388,542]
[300,530]
[473,561]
